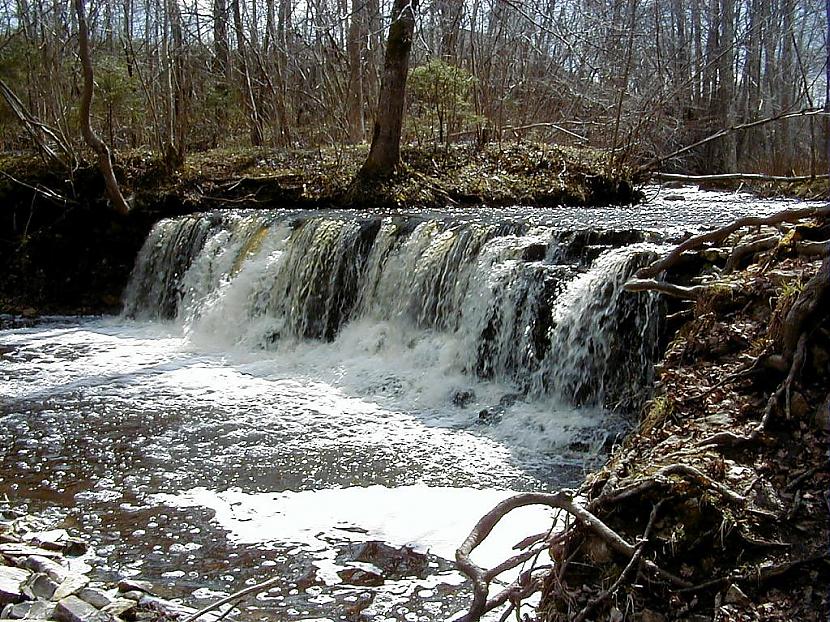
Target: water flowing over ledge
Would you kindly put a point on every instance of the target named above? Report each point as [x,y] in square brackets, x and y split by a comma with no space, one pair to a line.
[537,307]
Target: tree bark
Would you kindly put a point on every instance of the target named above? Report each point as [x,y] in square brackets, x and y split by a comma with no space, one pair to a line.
[92,139]
[385,152]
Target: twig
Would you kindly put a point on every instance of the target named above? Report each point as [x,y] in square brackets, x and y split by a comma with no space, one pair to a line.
[236,596]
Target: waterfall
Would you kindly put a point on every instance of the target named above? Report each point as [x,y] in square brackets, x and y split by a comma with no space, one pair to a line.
[536,307]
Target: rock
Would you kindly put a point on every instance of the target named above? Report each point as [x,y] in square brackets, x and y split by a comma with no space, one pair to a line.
[534,252]
[799,406]
[12,581]
[135,595]
[49,567]
[734,596]
[674,197]
[95,597]
[29,313]
[72,584]
[462,397]
[360,576]
[393,562]
[19,549]
[73,609]
[17,611]
[41,587]
[647,615]
[822,417]
[52,540]
[308,579]
[73,547]
[130,585]
[168,609]
[490,416]
[121,608]
[41,610]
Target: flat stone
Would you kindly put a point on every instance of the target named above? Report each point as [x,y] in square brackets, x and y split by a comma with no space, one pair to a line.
[40,587]
[52,540]
[72,584]
[73,609]
[19,549]
[49,567]
[121,608]
[18,611]
[169,609]
[12,581]
[41,610]
[95,597]
[129,585]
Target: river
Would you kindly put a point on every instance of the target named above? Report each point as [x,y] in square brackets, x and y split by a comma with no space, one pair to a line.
[286,385]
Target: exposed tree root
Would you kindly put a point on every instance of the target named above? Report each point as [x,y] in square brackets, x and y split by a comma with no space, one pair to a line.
[704,511]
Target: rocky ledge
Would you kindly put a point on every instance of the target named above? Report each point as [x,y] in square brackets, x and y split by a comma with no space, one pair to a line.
[43,577]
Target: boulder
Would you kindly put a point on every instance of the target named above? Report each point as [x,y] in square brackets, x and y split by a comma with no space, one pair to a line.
[40,587]
[360,576]
[95,597]
[393,562]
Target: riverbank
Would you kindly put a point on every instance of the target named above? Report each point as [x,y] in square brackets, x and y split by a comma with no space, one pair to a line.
[66,252]
[721,489]
[45,575]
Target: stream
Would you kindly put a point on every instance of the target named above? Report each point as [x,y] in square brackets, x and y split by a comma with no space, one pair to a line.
[286,385]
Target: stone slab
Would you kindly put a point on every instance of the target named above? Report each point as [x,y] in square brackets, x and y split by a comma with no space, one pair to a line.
[12,581]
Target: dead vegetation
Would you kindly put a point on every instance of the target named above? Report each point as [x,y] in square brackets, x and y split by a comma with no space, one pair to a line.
[714,508]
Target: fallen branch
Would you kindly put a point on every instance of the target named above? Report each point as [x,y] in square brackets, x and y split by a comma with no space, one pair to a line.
[560,500]
[806,112]
[236,596]
[736,177]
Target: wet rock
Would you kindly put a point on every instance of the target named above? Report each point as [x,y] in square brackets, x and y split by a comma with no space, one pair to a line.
[534,252]
[490,416]
[360,576]
[158,606]
[462,397]
[95,597]
[12,581]
[72,584]
[674,197]
[394,562]
[121,608]
[308,579]
[40,587]
[73,609]
[135,595]
[130,585]
[29,313]
[509,399]
[44,565]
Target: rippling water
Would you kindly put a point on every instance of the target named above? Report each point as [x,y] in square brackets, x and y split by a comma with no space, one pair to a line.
[205,468]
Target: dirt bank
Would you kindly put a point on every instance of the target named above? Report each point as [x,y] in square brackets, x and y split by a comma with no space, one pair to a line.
[65,251]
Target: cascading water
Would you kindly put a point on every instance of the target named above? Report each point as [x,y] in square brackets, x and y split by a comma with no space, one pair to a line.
[532,307]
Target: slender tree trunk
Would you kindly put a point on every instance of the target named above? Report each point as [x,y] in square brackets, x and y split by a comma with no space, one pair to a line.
[355,46]
[96,144]
[385,152]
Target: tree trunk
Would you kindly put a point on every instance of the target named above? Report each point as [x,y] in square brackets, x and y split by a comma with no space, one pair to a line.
[385,152]
[356,46]
[96,144]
